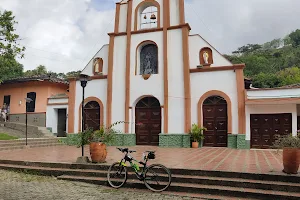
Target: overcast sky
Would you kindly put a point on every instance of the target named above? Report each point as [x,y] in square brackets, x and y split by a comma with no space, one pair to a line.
[63,35]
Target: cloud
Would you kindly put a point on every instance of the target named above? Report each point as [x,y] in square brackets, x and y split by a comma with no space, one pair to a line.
[232,23]
[63,35]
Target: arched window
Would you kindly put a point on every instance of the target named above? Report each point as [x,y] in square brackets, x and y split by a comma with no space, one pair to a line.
[147,15]
[149,59]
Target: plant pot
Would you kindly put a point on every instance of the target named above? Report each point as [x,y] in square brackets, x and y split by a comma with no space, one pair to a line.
[98,152]
[201,144]
[291,160]
[195,144]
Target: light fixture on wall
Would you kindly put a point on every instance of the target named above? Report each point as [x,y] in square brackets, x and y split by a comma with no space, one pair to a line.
[145,17]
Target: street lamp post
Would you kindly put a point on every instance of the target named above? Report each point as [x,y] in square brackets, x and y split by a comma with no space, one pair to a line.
[28,100]
[83,80]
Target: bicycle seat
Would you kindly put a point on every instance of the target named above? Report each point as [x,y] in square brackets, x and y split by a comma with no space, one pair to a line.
[150,151]
[125,150]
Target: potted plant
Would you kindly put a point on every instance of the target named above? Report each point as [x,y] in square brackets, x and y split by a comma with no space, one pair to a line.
[197,135]
[291,152]
[97,141]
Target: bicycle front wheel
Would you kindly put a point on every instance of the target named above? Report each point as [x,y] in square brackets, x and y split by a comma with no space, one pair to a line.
[157,178]
[117,175]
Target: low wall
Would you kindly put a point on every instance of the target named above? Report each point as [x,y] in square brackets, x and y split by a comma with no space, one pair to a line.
[238,142]
[35,119]
[174,140]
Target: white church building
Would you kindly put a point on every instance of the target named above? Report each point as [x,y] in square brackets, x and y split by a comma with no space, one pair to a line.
[154,72]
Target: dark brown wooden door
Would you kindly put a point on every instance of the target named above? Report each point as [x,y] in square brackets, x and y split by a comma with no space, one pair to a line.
[265,127]
[92,115]
[61,122]
[215,120]
[148,114]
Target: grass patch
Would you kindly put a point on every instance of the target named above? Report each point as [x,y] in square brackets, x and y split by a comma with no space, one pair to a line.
[4,136]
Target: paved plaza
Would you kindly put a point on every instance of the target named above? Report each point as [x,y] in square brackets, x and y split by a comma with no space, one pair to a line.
[216,159]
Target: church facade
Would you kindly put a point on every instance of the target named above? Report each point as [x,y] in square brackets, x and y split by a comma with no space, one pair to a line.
[155,73]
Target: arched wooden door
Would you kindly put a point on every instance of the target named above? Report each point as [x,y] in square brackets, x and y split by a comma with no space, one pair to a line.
[215,119]
[92,115]
[148,113]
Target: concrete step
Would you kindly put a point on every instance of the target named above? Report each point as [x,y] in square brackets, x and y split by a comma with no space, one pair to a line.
[23,146]
[233,187]
[29,143]
[22,140]
[196,188]
[219,174]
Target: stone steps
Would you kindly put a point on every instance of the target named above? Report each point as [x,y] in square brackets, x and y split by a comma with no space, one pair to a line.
[28,146]
[197,188]
[21,143]
[224,185]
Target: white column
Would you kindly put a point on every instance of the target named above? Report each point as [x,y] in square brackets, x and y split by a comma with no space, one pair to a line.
[162,120]
[130,121]
[294,121]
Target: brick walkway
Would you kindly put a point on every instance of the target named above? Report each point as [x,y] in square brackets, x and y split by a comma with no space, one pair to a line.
[218,159]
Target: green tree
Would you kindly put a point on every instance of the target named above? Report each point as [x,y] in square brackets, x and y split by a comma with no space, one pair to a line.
[266,80]
[8,39]
[295,38]
[39,70]
[10,68]
[73,73]
[289,76]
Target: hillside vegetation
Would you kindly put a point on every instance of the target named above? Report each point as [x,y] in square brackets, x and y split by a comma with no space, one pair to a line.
[272,64]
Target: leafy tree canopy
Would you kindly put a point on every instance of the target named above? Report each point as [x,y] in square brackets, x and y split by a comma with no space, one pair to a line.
[272,64]
[8,39]
[9,48]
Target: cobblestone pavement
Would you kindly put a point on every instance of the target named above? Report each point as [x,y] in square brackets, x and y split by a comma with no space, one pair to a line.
[20,186]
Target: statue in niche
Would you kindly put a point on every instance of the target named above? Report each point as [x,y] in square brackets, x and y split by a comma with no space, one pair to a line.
[205,57]
[97,66]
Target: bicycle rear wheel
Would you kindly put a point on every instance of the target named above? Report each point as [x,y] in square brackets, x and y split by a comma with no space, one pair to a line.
[117,175]
[157,178]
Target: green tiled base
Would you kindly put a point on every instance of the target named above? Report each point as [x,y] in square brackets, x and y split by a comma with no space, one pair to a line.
[174,140]
[119,140]
[232,141]
[125,139]
[242,143]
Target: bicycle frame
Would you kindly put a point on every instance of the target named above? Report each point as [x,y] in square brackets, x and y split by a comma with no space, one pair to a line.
[128,158]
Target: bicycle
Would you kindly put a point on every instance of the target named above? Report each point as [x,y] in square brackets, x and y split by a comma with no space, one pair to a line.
[121,173]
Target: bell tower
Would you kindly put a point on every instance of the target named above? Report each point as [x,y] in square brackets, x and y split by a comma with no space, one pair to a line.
[149,56]
[148,14]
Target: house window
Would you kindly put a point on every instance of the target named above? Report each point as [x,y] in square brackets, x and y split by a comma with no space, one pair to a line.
[149,59]
[6,100]
[30,107]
